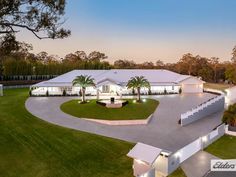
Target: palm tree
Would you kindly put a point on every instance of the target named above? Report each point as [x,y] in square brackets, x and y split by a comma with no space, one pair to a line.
[138,82]
[83,81]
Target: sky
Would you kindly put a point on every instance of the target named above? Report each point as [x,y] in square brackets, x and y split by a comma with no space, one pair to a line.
[145,30]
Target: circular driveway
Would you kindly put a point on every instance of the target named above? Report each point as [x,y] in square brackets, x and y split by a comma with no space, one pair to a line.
[163,131]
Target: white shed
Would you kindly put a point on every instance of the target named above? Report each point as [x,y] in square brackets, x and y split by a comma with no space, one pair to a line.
[1,90]
[144,156]
[192,85]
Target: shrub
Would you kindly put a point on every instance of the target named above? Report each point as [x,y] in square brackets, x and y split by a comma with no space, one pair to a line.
[180,90]
[229,116]
[47,94]
[133,92]
[165,92]
[64,93]
[149,92]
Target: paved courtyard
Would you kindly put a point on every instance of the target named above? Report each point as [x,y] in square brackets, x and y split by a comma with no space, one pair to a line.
[163,131]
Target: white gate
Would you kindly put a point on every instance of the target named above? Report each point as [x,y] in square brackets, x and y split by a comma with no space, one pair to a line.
[189,150]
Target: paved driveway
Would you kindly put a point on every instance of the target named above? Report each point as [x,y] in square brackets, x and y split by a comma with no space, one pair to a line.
[198,165]
[163,131]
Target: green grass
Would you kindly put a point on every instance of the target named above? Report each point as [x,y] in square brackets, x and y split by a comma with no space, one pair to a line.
[217,86]
[93,110]
[178,173]
[30,147]
[224,148]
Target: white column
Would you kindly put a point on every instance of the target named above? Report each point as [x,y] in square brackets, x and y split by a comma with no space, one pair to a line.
[97,94]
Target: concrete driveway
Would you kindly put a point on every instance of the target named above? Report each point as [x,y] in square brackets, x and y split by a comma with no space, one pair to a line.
[198,165]
[163,131]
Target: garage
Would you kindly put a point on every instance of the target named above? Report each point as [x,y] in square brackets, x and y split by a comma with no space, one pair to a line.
[192,85]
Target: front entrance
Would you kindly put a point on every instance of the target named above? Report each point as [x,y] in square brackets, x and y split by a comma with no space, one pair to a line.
[105,89]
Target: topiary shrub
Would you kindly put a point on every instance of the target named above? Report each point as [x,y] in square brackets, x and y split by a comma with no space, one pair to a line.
[133,92]
[64,93]
[149,92]
[165,92]
[180,90]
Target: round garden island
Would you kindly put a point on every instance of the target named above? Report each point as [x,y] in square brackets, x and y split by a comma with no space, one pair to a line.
[95,110]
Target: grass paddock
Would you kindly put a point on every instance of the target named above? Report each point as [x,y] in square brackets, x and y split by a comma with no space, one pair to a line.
[30,147]
[224,148]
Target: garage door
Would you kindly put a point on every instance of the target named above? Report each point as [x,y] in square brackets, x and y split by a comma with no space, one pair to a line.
[191,88]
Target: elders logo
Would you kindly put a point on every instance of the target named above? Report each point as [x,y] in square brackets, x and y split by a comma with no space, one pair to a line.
[223,165]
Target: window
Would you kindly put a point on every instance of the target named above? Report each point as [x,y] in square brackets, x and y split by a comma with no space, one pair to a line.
[105,88]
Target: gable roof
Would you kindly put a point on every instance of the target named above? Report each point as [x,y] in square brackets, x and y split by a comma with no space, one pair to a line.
[118,76]
[191,80]
[145,153]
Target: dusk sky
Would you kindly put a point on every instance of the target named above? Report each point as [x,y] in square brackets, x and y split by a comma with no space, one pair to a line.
[145,30]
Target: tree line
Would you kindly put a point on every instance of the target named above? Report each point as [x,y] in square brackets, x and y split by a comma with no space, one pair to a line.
[21,62]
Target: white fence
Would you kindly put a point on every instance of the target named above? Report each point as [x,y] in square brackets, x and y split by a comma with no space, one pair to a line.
[227,131]
[202,110]
[168,162]
[230,95]
[214,91]
[189,150]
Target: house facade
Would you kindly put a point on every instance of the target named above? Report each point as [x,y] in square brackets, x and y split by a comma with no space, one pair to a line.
[113,83]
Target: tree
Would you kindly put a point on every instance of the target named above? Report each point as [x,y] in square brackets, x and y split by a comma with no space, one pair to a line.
[42,56]
[234,55]
[41,17]
[230,74]
[75,57]
[147,65]
[8,44]
[96,56]
[229,116]
[214,61]
[137,83]
[124,64]
[81,55]
[83,81]
[159,64]
[186,64]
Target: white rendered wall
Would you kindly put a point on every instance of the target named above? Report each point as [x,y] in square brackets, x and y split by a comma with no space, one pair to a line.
[192,88]
[230,95]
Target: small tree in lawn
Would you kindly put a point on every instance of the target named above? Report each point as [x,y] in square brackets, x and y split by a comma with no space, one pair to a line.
[137,83]
[83,81]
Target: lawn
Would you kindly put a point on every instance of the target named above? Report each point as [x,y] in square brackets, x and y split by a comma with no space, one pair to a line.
[178,173]
[217,86]
[30,147]
[224,148]
[93,110]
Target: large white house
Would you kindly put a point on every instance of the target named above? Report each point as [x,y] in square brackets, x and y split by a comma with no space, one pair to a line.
[113,82]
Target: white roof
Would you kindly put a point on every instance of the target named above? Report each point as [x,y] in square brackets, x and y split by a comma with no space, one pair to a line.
[144,152]
[119,76]
[191,80]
